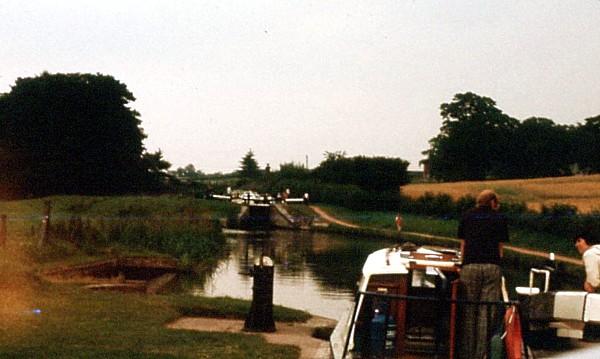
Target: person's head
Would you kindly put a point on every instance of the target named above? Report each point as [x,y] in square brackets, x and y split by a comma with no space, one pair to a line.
[488,198]
[584,239]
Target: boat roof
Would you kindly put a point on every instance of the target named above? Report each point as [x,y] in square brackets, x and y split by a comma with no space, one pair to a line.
[396,261]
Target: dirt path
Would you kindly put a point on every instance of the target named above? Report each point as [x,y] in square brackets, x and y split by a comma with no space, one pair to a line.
[329,218]
[298,334]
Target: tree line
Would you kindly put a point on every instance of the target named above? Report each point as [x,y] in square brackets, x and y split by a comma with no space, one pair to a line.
[78,134]
[376,173]
[478,141]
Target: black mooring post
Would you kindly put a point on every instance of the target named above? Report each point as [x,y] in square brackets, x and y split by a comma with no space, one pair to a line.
[260,317]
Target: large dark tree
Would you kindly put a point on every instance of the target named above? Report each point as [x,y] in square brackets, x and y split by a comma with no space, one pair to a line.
[474,142]
[70,134]
[586,146]
[540,149]
[369,173]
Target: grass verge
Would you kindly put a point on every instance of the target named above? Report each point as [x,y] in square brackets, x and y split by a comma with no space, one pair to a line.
[383,223]
[43,320]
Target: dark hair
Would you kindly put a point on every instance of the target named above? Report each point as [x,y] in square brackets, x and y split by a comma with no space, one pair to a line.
[588,235]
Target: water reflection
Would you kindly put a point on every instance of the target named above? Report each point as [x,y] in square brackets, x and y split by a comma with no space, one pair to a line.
[315,272]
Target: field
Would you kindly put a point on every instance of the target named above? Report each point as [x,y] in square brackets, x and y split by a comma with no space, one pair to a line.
[580,191]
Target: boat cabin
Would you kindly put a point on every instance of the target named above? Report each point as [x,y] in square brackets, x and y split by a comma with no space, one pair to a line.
[402,309]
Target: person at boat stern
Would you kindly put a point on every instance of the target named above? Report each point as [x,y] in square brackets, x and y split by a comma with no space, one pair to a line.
[588,246]
[482,231]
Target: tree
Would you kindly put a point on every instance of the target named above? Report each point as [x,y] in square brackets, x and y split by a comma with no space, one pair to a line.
[586,144]
[157,168]
[249,166]
[541,149]
[293,170]
[189,172]
[474,141]
[336,155]
[369,173]
[70,134]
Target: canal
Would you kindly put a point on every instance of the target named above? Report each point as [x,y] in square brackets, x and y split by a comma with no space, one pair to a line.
[316,272]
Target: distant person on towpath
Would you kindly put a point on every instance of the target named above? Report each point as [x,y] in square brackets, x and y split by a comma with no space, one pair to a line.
[587,245]
[482,231]
[399,222]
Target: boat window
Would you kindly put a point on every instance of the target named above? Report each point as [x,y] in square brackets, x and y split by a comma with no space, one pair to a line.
[423,279]
[384,280]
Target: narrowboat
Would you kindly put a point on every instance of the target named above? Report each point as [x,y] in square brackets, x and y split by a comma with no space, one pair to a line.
[403,306]
[408,305]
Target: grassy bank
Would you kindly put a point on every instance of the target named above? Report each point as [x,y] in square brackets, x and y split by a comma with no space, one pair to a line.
[381,224]
[43,320]
[448,228]
[72,322]
[87,227]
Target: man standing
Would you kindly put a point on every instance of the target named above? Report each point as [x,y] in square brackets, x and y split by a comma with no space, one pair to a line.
[587,245]
[399,222]
[482,231]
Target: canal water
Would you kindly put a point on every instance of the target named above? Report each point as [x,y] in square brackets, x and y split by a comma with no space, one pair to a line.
[316,272]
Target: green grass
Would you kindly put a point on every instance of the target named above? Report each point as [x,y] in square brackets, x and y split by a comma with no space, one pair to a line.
[74,322]
[448,228]
[231,308]
[78,323]
[82,226]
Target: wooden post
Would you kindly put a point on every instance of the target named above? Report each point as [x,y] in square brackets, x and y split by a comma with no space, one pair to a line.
[46,223]
[3,230]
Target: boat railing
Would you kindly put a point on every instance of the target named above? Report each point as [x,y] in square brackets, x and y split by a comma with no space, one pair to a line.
[440,331]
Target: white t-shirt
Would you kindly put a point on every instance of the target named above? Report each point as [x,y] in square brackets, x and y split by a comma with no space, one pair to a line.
[591,260]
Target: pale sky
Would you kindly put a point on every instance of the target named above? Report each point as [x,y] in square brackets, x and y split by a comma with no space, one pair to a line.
[290,79]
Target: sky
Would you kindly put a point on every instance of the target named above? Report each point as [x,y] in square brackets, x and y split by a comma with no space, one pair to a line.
[291,80]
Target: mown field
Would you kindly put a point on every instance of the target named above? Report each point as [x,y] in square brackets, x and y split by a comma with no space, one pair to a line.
[580,191]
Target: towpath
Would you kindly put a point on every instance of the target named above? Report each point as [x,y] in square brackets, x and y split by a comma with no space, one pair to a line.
[297,334]
[329,218]
[531,252]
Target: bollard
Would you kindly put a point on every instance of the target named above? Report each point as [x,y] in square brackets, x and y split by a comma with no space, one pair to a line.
[260,317]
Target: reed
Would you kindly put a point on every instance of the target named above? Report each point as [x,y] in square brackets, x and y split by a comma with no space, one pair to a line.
[182,227]
[190,239]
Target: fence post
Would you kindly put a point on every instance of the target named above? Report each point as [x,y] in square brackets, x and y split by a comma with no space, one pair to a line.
[3,230]
[45,223]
